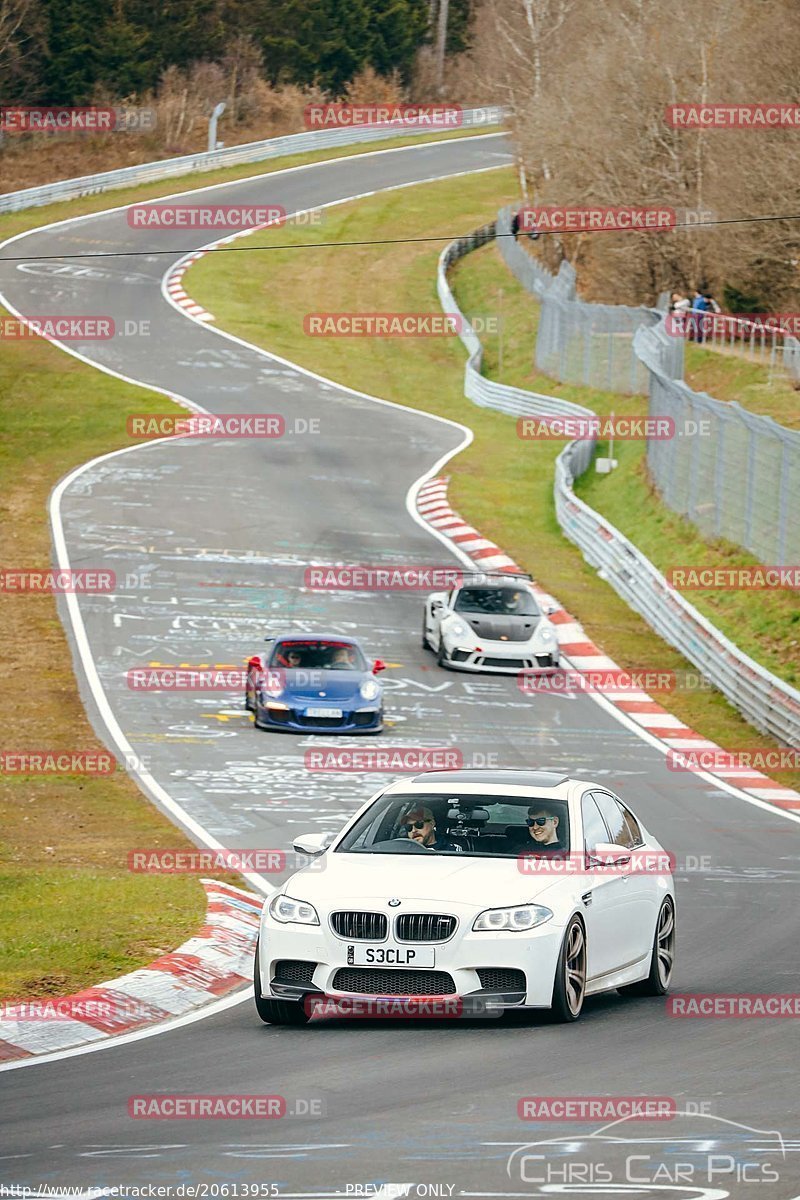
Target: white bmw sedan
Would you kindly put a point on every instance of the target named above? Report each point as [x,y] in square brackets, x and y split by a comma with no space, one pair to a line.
[499,888]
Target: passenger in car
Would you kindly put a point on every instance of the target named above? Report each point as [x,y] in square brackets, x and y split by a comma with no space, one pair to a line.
[541,835]
[419,825]
[288,658]
[343,659]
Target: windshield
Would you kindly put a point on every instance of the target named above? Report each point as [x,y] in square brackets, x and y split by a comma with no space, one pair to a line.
[503,601]
[302,654]
[484,826]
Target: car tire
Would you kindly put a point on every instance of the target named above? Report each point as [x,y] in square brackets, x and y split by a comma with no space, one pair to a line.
[662,957]
[441,657]
[256,723]
[569,988]
[276,1012]
[425,643]
[247,704]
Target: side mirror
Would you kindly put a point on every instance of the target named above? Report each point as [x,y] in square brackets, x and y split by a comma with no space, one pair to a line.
[436,605]
[312,843]
[378,665]
[605,854]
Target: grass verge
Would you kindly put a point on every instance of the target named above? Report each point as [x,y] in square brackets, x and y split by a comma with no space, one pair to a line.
[732,376]
[72,914]
[501,485]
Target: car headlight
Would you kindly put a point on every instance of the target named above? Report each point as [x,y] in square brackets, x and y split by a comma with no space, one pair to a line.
[546,633]
[292,912]
[458,629]
[526,916]
[369,690]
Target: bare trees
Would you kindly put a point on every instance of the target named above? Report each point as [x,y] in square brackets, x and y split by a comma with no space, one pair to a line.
[20,39]
[588,85]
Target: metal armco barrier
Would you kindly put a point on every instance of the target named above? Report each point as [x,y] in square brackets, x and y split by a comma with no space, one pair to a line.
[279,147]
[767,702]
[482,391]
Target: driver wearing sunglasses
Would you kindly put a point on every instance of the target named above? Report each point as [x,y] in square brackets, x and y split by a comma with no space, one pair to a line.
[542,832]
[419,824]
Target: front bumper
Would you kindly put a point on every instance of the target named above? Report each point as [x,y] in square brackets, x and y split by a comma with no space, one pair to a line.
[502,657]
[515,970]
[292,721]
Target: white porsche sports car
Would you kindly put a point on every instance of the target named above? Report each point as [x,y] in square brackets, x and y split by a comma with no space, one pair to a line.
[502,888]
[490,623]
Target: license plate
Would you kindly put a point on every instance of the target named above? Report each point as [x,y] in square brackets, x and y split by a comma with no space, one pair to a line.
[391,956]
[324,712]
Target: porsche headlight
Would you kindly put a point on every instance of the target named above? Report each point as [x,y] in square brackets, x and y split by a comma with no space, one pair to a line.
[546,633]
[458,629]
[526,916]
[292,912]
[272,684]
[369,690]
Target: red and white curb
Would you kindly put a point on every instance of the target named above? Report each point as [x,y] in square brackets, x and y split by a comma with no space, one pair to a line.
[172,282]
[432,506]
[217,960]
[584,655]
[177,294]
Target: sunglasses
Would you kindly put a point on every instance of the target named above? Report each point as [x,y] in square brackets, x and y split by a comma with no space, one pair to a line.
[415,824]
[538,820]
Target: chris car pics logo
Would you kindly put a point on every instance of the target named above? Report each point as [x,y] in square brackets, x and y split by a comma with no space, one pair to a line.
[698,1157]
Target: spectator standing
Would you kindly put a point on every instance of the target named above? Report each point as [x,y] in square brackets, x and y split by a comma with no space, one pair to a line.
[700,306]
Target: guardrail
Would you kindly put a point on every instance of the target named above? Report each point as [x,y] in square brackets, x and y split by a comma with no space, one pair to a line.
[485,392]
[292,143]
[769,703]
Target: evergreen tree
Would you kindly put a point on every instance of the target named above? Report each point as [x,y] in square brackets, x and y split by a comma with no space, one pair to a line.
[124,54]
[399,28]
[73,58]
[125,47]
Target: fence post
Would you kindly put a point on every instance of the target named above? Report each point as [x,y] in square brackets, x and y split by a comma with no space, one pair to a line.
[719,474]
[750,489]
[783,506]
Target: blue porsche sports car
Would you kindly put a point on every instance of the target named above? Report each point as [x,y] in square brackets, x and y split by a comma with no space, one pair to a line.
[315,684]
